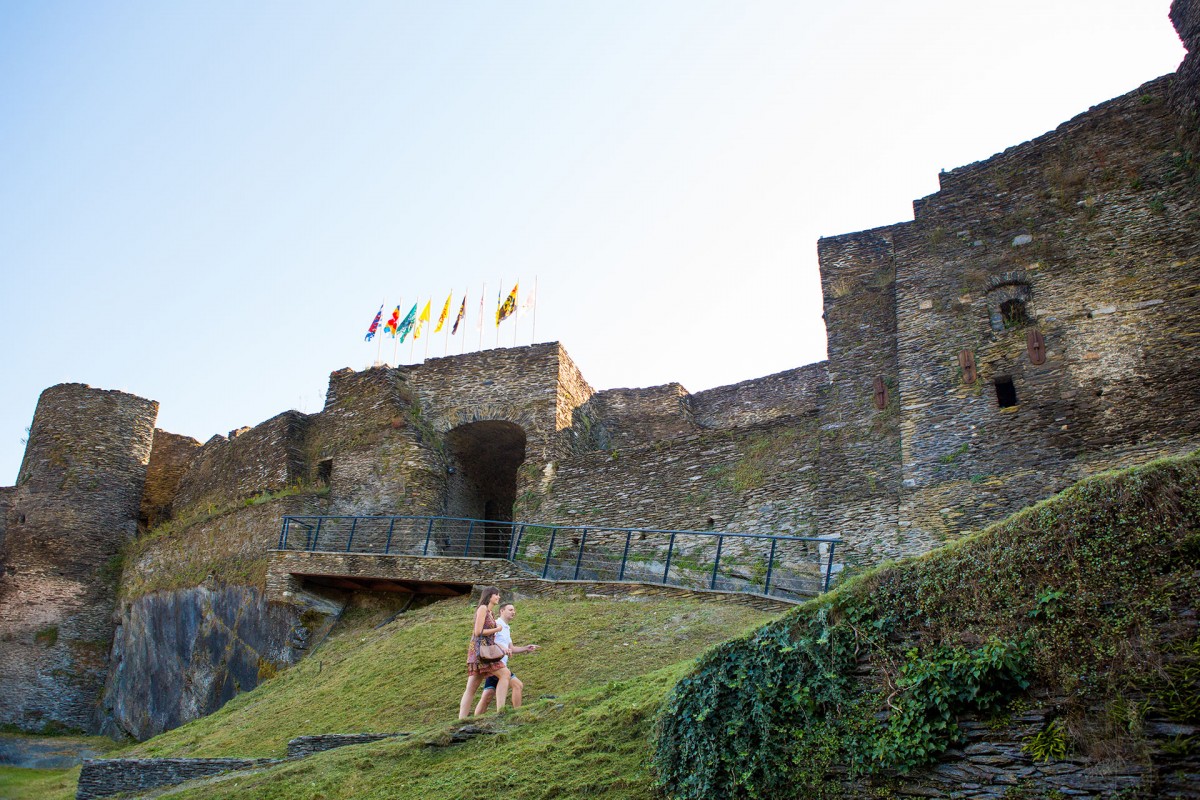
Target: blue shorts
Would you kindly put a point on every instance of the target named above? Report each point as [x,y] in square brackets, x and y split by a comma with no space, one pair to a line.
[491,682]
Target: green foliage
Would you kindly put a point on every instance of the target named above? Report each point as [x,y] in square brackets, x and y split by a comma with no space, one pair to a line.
[47,637]
[949,458]
[1049,744]
[875,676]
[1047,604]
[934,689]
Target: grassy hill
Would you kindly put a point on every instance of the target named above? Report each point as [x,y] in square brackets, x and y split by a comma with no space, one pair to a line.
[1088,597]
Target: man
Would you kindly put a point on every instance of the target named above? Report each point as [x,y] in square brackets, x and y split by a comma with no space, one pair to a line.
[504,639]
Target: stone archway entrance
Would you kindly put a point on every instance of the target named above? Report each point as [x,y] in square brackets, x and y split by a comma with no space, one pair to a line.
[482,484]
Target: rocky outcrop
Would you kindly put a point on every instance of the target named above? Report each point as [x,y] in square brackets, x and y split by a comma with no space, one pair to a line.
[178,655]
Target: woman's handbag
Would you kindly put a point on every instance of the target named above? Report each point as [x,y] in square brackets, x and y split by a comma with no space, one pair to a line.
[490,653]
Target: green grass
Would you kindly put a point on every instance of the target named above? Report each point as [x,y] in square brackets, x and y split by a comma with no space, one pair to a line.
[409,674]
[591,743]
[37,784]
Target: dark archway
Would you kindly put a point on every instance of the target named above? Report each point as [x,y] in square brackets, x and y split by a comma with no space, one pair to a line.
[482,480]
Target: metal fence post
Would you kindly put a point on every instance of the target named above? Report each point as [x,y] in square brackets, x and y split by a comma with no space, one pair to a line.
[625,555]
[770,566]
[283,534]
[317,534]
[387,546]
[670,549]
[515,544]
[428,535]
[829,567]
[712,584]
[549,550]
[350,538]
[467,547]
[579,557]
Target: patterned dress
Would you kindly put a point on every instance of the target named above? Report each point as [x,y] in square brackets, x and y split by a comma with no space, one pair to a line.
[474,665]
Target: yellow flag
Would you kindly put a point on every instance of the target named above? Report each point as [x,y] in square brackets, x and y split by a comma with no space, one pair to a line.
[444,314]
[505,309]
[421,320]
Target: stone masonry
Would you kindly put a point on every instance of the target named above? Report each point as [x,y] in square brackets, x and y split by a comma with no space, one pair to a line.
[1037,321]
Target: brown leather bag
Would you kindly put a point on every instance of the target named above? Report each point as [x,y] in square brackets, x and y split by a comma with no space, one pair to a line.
[490,653]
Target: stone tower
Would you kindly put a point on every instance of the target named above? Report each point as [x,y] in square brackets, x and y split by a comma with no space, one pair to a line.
[76,502]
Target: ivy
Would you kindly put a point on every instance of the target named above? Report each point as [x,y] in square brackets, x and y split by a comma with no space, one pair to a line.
[871,680]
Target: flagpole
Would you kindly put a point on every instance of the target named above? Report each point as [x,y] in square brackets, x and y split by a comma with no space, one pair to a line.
[482,294]
[446,333]
[516,315]
[464,319]
[379,346]
[499,292]
[396,330]
[428,336]
[413,342]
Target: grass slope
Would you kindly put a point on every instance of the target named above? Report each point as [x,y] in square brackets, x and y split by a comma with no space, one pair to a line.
[409,674]
[17,783]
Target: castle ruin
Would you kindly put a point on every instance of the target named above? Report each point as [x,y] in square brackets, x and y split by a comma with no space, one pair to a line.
[1037,322]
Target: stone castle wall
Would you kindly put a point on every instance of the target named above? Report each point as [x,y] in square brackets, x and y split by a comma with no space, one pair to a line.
[859,446]
[267,457]
[170,457]
[1090,232]
[1096,226]
[77,500]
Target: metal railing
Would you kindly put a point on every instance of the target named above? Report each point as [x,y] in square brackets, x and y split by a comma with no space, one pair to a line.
[776,566]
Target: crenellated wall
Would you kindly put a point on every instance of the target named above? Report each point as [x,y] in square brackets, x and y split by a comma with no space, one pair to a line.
[268,457]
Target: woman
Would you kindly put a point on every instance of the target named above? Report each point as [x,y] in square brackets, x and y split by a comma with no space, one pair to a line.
[485,628]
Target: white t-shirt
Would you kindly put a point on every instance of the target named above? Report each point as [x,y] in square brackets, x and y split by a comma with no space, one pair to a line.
[503,637]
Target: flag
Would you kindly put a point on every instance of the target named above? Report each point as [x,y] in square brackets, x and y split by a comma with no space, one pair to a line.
[530,299]
[462,312]
[505,310]
[407,325]
[390,325]
[445,312]
[422,319]
[374,325]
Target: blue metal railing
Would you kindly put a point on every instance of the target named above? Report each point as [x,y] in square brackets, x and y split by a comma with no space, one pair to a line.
[776,566]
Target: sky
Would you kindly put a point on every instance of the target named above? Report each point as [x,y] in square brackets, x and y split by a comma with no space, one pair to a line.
[205,203]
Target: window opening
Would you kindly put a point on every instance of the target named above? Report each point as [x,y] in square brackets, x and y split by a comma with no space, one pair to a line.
[1013,314]
[1006,393]
[325,471]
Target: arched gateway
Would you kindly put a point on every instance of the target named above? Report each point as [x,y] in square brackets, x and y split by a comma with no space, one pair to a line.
[483,458]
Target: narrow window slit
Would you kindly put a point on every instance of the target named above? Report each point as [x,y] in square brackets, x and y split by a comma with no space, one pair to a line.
[1006,393]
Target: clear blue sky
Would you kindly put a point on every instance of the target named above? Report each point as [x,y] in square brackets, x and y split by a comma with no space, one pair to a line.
[205,203]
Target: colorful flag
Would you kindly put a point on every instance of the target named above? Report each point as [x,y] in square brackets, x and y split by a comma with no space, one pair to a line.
[444,314]
[406,326]
[421,320]
[374,325]
[505,309]
[390,325]
[462,312]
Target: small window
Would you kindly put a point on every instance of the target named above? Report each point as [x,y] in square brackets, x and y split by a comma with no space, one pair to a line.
[1006,393]
[325,471]
[1013,314]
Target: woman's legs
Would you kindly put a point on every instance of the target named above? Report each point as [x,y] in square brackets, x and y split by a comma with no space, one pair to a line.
[502,689]
[464,705]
